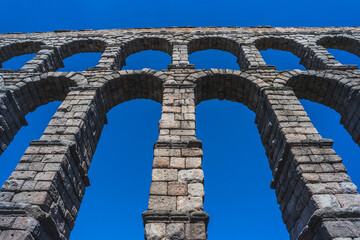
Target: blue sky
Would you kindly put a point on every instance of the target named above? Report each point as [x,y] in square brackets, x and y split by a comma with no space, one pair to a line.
[237,177]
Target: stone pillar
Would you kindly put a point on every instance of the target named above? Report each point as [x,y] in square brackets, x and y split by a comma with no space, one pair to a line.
[41,198]
[111,59]
[12,118]
[175,208]
[316,196]
[180,57]
[251,59]
[318,58]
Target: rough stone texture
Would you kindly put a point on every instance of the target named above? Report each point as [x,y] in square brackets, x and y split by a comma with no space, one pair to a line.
[42,197]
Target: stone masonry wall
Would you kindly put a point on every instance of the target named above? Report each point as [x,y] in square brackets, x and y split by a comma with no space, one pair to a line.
[42,197]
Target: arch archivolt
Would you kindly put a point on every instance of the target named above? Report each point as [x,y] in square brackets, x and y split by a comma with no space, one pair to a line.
[9,50]
[344,42]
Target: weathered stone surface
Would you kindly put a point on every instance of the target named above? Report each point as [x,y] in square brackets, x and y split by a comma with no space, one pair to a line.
[162,203]
[39,198]
[191,176]
[310,180]
[177,162]
[195,231]
[159,188]
[164,174]
[175,231]
[196,189]
[177,188]
[189,203]
[193,162]
[155,231]
[161,162]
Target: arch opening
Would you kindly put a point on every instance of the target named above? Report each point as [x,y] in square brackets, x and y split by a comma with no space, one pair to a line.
[333,93]
[120,173]
[345,57]
[227,131]
[143,44]
[215,43]
[153,59]
[37,122]
[282,60]
[346,45]
[17,62]
[212,58]
[17,103]
[80,62]
[288,45]
[86,47]
[327,122]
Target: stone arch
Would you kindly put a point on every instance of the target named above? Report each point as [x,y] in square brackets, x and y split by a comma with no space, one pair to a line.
[26,96]
[81,46]
[231,85]
[308,57]
[131,85]
[142,44]
[336,91]
[289,145]
[71,139]
[15,49]
[216,42]
[346,43]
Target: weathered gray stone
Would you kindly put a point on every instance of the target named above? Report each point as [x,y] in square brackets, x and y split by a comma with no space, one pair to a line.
[191,176]
[175,231]
[309,178]
[155,231]
[165,175]
[196,189]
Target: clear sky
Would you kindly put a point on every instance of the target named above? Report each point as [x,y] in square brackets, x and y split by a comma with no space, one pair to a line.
[238,198]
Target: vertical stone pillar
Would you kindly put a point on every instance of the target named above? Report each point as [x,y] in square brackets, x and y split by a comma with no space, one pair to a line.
[42,197]
[180,57]
[111,59]
[12,118]
[318,58]
[316,196]
[175,208]
[251,59]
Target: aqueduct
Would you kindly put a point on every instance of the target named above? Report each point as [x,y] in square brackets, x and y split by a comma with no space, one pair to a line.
[42,197]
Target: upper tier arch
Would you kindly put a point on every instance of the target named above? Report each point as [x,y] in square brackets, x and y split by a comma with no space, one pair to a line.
[142,44]
[308,57]
[18,48]
[336,91]
[343,42]
[27,95]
